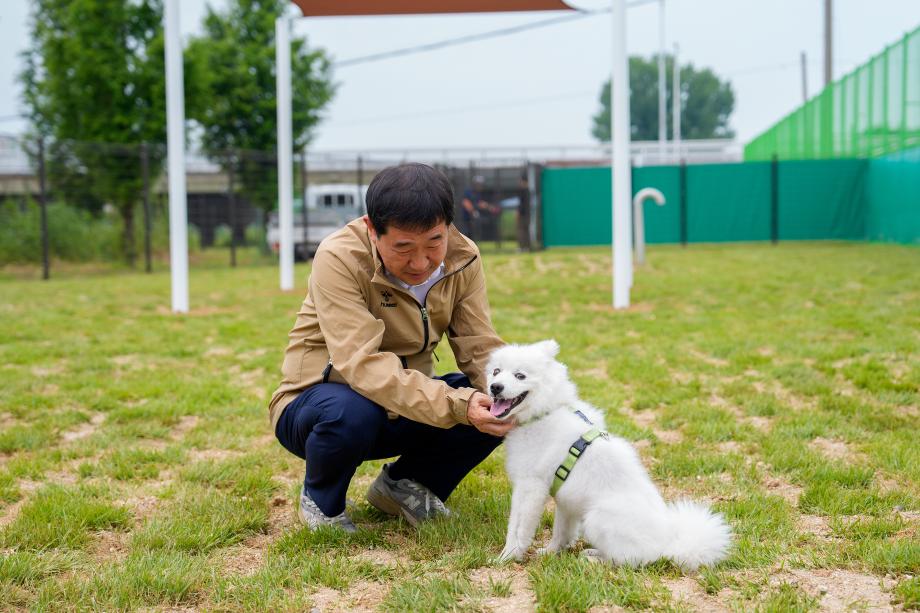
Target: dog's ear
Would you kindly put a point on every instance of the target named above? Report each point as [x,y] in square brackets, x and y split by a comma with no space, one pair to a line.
[550,347]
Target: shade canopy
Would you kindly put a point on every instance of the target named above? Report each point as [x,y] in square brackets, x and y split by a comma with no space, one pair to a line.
[329,8]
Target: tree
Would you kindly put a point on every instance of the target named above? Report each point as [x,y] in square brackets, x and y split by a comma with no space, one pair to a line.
[94,84]
[235,58]
[706,102]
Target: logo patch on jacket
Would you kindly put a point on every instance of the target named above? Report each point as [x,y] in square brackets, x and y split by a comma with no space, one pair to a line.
[388,300]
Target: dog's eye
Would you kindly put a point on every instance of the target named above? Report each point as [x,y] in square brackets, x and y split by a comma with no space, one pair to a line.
[520,375]
[496,371]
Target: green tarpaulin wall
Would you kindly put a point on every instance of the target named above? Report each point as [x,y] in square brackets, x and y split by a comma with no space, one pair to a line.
[893,198]
[828,199]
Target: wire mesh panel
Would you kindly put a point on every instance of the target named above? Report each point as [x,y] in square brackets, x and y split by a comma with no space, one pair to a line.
[871,112]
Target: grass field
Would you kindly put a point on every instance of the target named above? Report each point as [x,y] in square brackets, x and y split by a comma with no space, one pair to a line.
[782,384]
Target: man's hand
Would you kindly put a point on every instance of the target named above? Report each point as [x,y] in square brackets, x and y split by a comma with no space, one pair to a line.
[477,412]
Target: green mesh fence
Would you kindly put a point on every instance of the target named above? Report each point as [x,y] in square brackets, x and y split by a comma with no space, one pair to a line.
[871,112]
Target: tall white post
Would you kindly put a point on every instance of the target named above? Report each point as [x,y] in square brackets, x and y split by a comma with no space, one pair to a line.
[676,103]
[175,139]
[285,152]
[662,86]
[620,175]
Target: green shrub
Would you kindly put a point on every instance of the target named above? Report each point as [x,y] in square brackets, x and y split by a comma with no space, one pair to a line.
[73,234]
[255,234]
[222,236]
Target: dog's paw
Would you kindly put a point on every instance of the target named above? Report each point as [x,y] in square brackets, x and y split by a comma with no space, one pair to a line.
[545,551]
[510,553]
[593,555]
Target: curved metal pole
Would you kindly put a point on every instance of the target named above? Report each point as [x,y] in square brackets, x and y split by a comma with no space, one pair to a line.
[639,218]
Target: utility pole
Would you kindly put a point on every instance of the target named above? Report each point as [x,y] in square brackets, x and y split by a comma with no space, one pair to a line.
[828,42]
[804,77]
[662,85]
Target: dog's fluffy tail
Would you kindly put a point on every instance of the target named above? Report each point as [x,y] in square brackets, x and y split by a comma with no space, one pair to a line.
[700,537]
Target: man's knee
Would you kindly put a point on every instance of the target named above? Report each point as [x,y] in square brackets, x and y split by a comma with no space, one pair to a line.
[353,419]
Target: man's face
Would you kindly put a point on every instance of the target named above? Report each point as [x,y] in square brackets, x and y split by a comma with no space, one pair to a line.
[411,256]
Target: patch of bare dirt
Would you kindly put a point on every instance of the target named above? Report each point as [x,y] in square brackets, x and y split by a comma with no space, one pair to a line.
[682,378]
[197,455]
[12,512]
[520,598]
[50,370]
[218,351]
[785,490]
[599,371]
[784,395]
[381,557]
[646,419]
[832,449]
[669,437]
[687,591]
[142,507]
[251,355]
[361,597]
[251,381]
[84,430]
[244,560]
[761,423]
[592,266]
[729,447]
[110,546]
[186,423]
[709,359]
[841,590]
[814,524]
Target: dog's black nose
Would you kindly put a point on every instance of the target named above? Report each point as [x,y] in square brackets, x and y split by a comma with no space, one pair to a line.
[496,388]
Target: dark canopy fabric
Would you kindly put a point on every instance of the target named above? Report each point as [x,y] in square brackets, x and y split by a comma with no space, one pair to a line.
[320,8]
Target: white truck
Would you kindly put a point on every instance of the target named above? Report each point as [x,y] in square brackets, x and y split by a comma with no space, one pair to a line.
[329,207]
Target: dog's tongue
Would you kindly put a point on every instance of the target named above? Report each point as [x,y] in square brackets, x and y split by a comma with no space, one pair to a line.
[499,406]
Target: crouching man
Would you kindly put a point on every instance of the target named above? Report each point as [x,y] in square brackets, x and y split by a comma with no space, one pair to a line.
[358,377]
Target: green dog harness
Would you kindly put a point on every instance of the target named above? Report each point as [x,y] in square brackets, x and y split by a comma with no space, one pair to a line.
[575,451]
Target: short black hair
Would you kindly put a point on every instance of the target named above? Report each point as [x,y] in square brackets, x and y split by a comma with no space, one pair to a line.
[410,197]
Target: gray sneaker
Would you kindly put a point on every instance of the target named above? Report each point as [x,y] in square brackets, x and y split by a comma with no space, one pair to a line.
[313,517]
[405,498]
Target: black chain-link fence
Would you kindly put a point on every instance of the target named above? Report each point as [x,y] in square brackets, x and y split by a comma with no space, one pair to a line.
[100,201]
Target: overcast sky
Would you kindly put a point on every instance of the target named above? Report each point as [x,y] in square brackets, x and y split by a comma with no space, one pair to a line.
[541,87]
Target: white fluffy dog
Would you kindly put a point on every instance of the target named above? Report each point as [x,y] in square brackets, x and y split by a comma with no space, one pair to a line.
[608,496]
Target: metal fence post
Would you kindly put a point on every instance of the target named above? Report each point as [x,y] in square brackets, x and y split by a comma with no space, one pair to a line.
[43,205]
[683,202]
[145,171]
[774,200]
[231,205]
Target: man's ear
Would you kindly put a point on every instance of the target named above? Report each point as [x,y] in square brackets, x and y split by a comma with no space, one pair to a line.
[370,228]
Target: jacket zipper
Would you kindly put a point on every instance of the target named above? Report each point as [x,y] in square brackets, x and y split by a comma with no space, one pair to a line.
[422,306]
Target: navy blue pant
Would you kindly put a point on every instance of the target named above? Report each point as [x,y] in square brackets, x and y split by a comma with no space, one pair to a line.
[335,429]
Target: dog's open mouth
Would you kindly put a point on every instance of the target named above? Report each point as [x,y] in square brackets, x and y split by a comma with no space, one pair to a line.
[502,406]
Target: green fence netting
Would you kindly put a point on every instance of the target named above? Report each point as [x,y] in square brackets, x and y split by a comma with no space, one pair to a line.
[796,200]
[871,112]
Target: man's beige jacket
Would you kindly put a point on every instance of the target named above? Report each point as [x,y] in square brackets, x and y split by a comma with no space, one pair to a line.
[359,328]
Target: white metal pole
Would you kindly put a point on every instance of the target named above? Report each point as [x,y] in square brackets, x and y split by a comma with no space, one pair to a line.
[620,175]
[662,86]
[285,152]
[175,139]
[676,99]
